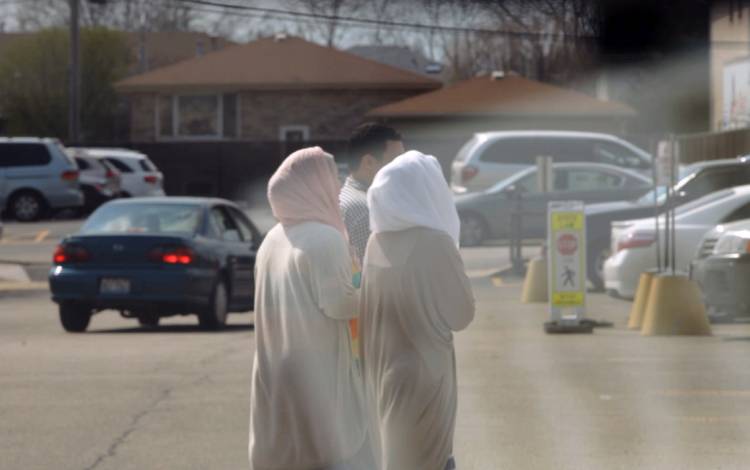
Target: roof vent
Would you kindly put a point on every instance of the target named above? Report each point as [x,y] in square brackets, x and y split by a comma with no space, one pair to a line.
[497,75]
[433,68]
[280,37]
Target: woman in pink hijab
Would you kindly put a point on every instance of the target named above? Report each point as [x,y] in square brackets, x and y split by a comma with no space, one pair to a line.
[307,408]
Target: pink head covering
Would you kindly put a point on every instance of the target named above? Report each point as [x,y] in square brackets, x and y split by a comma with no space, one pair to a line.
[306,188]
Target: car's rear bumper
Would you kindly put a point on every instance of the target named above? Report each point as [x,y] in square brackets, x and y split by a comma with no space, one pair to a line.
[68,199]
[723,280]
[171,290]
[623,270]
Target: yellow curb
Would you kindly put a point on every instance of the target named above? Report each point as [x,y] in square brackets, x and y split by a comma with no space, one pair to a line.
[22,286]
[41,236]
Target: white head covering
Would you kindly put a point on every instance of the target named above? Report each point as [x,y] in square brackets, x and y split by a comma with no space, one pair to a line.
[411,191]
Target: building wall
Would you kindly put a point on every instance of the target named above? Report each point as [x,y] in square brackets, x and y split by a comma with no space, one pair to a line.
[142,117]
[730,41]
[329,114]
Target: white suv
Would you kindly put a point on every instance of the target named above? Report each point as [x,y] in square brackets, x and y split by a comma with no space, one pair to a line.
[140,177]
[490,157]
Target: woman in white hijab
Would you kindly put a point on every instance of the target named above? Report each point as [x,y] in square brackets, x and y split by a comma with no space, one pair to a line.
[415,293]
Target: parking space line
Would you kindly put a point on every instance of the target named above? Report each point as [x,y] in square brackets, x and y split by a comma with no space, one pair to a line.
[41,236]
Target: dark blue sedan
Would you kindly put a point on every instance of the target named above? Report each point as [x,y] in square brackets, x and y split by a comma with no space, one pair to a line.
[157,257]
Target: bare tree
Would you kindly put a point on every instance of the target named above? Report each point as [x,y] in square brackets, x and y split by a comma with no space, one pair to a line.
[328,31]
[131,15]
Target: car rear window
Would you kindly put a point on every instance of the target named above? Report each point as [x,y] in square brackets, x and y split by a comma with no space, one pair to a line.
[82,164]
[147,165]
[119,164]
[24,154]
[182,219]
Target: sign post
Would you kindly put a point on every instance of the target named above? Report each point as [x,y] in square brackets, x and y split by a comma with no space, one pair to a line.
[566,228]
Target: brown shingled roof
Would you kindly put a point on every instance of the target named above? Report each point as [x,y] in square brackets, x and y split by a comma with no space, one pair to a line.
[509,95]
[288,63]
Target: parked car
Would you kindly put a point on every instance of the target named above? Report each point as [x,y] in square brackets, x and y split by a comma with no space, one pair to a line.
[634,242]
[722,270]
[156,257]
[139,176]
[36,177]
[487,215]
[490,157]
[696,180]
[100,181]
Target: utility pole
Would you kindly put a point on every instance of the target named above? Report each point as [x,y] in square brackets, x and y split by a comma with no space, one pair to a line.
[74,76]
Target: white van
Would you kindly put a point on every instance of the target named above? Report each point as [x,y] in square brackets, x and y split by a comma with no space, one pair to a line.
[490,157]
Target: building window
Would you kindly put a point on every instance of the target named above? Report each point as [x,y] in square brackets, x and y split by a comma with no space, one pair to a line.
[294,133]
[198,116]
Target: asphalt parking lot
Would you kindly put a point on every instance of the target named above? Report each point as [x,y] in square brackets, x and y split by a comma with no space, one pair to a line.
[124,397]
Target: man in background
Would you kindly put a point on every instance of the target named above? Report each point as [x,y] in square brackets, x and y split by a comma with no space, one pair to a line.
[371,147]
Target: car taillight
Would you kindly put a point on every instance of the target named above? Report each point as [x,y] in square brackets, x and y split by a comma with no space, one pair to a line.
[172,255]
[70,175]
[468,173]
[110,174]
[65,254]
[151,179]
[636,240]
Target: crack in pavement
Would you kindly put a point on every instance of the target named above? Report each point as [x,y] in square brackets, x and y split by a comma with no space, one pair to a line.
[112,450]
[163,396]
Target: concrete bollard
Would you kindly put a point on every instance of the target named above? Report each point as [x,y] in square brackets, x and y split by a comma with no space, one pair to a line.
[638,310]
[675,308]
[535,283]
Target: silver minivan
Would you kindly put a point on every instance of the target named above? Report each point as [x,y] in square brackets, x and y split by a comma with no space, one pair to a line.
[490,157]
[36,177]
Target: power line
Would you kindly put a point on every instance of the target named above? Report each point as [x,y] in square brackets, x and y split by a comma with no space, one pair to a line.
[373,22]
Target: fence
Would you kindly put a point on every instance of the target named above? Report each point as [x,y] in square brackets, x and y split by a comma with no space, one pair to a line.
[714,145]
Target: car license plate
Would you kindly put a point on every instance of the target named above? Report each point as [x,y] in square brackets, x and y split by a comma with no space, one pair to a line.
[114,286]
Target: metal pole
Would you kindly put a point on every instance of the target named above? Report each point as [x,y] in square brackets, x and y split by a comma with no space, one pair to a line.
[655,174]
[74,74]
[667,219]
[673,182]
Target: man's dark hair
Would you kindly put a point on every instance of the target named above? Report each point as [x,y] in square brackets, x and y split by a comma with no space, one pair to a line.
[370,138]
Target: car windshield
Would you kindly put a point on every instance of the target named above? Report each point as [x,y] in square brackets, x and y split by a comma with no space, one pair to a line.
[511,180]
[685,174]
[144,218]
[660,193]
[465,151]
[704,201]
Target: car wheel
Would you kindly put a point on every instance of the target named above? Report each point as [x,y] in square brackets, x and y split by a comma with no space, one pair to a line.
[91,200]
[596,260]
[214,317]
[149,320]
[27,206]
[75,318]
[473,230]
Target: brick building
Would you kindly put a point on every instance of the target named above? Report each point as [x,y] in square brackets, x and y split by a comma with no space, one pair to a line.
[274,89]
